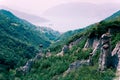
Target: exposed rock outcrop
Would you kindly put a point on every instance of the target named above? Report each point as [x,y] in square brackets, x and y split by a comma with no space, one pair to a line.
[60,54]
[91,43]
[64,50]
[75,65]
[27,67]
[75,42]
[116,58]
[68,47]
[48,54]
[105,55]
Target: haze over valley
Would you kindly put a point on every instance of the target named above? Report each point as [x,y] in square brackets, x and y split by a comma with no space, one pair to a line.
[63,16]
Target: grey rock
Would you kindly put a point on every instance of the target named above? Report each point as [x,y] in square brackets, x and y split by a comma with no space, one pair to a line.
[26,68]
[75,42]
[105,55]
[91,42]
[75,65]
[116,56]
[65,48]
[48,54]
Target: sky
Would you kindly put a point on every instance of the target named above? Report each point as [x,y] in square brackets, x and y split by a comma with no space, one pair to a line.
[32,5]
[38,7]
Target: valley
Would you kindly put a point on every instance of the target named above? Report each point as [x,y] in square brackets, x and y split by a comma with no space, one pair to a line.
[73,55]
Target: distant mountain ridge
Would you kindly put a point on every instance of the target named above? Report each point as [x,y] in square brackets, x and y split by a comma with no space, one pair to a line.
[29,17]
[49,33]
[78,15]
[21,28]
[114,16]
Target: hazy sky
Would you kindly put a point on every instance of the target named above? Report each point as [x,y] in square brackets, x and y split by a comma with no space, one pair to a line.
[38,7]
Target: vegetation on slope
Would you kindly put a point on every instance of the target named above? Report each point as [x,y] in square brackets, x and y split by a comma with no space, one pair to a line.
[63,39]
[19,41]
[53,68]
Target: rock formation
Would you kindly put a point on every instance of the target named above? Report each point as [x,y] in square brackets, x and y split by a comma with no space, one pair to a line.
[60,54]
[116,60]
[68,47]
[27,67]
[75,42]
[75,65]
[48,54]
[91,43]
[64,50]
[105,55]
[116,57]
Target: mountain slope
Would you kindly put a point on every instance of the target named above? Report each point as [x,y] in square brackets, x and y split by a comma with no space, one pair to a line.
[63,39]
[53,67]
[114,16]
[22,30]
[19,41]
[51,34]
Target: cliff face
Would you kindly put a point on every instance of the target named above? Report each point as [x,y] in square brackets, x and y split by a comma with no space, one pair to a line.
[91,42]
[116,56]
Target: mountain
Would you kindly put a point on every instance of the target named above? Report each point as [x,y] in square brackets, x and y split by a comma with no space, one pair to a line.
[56,67]
[20,40]
[101,27]
[51,34]
[68,34]
[22,29]
[63,39]
[73,35]
[78,15]
[114,16]
[29,17]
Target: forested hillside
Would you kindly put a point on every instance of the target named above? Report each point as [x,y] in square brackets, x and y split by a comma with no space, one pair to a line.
[19,41]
